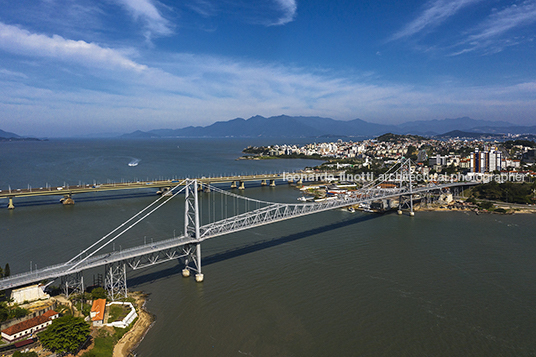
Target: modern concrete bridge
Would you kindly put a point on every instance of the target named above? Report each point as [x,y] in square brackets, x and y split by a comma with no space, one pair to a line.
[67,191]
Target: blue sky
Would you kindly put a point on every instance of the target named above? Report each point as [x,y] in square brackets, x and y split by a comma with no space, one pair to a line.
[79,67]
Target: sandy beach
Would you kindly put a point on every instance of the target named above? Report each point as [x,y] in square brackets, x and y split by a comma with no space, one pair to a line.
[132,338]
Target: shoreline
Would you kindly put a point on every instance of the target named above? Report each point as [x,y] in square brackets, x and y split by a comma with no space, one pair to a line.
[132,339]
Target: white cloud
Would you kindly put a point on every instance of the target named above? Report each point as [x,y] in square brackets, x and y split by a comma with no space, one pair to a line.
[8,73]
[198,90]
[489,34]
[288,7]
[434,14]
[146,11]
[19,41]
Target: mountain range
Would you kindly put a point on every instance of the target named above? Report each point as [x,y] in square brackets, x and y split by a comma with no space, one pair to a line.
[300,126]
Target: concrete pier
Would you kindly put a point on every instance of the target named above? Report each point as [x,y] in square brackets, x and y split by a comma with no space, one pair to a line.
[233,184]
[10,205]
[242,186]
[67,200]
[272,183]
[264,183]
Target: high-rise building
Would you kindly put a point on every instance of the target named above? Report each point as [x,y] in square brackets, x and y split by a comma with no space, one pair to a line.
[487,161]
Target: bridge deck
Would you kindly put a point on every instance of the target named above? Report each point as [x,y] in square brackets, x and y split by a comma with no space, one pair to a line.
[266,215]
[65,190]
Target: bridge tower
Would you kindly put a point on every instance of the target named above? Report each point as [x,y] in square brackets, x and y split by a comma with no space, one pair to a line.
[191,229]
[406,183]
[115,281]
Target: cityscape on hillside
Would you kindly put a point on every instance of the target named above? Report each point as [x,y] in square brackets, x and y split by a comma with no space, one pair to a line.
[432,157]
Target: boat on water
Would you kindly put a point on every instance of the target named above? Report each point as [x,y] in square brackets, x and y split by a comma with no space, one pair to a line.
[351,209]
[134,162]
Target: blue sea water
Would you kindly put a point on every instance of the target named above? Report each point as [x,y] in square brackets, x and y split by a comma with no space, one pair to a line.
[334,283]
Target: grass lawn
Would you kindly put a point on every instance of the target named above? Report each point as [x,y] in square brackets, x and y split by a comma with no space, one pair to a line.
[105,342]
[118,312]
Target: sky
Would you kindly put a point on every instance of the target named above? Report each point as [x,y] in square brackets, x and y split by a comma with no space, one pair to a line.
[72,68]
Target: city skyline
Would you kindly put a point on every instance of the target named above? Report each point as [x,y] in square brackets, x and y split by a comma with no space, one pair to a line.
[123,65]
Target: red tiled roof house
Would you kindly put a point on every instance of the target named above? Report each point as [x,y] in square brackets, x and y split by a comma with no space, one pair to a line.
[27,328]
[97,312]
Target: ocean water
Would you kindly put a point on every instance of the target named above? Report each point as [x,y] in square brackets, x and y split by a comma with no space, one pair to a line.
[333,283]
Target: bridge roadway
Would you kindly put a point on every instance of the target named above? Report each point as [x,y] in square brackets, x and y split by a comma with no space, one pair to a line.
[165,250]
[68,191]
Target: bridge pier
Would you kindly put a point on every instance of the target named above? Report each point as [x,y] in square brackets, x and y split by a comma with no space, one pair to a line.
[193,255]
[272,183]
[164,191]
[10,204]
[233,184]
[242,186]
[264,183]
[67,199]
[299,182]
[199,276]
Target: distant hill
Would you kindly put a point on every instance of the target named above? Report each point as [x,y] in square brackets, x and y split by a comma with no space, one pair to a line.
[436,126]
[300,126]
[279,126]
[7,135]
[468,135]
[390,137]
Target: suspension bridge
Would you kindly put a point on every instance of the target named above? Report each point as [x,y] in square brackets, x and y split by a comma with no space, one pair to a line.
[231,213]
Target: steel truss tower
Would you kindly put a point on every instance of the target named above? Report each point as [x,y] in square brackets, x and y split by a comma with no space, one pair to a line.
[191,229]
[115,281]
[72,284]
[407,184]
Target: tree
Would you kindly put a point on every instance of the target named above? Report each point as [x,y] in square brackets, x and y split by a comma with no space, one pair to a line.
[65,334]
[7,270]
[1,273]
[4,311]
[25,354]
[98,293]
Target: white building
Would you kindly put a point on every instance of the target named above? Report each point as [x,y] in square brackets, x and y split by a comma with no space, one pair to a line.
[28,328]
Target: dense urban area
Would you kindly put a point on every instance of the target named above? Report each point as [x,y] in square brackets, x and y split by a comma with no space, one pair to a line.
[507,168]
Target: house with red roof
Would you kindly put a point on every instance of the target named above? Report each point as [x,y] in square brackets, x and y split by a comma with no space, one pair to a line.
[28,328]
[97,312]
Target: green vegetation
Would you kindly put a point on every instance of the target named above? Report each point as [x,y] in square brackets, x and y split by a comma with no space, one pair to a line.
[262,153]
[255,150]
[25,354]
[393,138]
[65,334]
[98,293]
[80,302]
[105,342]
[11,312]
[511,143]
[290,156]
[4,273]
[506,192]
[488,206]
[118,312]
